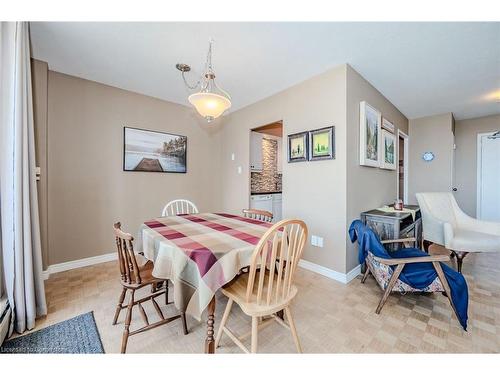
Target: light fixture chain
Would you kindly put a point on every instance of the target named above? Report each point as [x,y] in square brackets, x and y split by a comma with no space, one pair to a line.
[196,85]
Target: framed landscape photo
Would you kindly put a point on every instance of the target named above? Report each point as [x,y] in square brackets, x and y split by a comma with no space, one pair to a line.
[153,151]
[388,157]
[370,126]
[297,147]
[322,143]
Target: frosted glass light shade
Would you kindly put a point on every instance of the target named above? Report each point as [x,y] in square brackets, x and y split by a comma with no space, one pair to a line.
[209,105]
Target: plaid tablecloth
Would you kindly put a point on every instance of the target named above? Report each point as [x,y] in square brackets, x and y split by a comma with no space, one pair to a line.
[199,253]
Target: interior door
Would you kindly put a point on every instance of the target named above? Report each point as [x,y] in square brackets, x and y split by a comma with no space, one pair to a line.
[488,178]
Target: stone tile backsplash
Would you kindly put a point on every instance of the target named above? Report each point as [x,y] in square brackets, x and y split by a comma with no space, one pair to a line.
[269,179]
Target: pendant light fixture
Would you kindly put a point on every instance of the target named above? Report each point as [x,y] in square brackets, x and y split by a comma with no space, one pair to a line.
[210,101]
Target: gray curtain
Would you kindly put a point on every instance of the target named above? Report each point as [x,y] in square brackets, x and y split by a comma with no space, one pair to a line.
[20,245]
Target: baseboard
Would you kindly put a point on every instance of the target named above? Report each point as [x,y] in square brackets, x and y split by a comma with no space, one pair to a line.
[344,278]
[60,267]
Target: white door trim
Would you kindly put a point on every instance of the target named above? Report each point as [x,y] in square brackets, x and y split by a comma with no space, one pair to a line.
[478,172]
[406,140]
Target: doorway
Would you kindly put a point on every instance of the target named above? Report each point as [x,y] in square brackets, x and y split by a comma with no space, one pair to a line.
[402,188]
[488,176]
[266,161]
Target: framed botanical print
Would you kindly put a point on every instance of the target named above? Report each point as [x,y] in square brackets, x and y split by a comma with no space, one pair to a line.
[297,147]
[322,143]
[370,124]
[388,150]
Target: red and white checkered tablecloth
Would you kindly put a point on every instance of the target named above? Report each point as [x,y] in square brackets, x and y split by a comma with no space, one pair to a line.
[199,253]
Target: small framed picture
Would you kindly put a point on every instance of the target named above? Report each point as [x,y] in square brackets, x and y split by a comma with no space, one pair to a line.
[297,147]
[386,124]
[322,143]
[370,125]
[388,156]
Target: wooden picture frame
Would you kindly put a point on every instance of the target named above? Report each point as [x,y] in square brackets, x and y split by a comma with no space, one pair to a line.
[298,147]
[322,143]
[370,126]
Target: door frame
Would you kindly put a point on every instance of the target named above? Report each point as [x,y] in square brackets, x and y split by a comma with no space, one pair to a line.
[406,140]
[478,171]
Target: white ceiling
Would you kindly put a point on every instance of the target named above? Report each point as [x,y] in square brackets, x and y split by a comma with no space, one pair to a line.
[422,68]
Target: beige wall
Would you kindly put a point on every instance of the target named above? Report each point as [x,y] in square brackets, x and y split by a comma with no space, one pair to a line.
[466,132]
[87,189]
[435,134]
[367,187]
[39,73]
[313,191]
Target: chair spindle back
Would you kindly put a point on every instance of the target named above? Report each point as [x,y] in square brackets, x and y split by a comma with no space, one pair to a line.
[280,249]
[179,207]
[129,269]
[261,215]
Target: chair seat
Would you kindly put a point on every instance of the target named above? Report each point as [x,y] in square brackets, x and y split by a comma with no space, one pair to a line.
[382,274]
[470,241]
[237,289]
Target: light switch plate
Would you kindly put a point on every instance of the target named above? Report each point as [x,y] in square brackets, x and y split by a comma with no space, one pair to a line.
[317,241]
[239,170]
[232,156]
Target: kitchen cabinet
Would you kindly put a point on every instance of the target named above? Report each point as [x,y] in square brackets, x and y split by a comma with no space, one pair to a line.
[256,151]
[277,207]
[262,202]
[268,202]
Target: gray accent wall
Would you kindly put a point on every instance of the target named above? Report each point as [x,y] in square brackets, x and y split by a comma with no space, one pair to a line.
[434,134]
[367,187]
[466,132]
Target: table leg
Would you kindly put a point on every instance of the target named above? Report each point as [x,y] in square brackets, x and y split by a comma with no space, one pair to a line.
[209,341]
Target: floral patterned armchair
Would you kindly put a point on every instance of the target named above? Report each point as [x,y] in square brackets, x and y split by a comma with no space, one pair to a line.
[388,278]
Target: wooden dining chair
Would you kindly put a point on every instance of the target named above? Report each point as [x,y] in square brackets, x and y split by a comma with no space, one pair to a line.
[179,207]
[267,290]
[261,215]
[136,273]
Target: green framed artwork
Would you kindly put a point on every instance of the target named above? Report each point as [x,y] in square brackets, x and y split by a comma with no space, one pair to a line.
[297,147]
[322,143]
[370,128]
[388,151]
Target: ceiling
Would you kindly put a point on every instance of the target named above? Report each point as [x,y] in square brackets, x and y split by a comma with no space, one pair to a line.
[422,68]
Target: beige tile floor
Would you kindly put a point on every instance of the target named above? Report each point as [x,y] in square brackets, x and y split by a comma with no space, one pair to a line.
[330,317]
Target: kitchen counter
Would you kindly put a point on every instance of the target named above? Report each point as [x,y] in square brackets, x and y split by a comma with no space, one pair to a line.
[266,192]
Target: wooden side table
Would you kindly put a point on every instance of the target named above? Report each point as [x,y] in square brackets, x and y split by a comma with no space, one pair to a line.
[394,225]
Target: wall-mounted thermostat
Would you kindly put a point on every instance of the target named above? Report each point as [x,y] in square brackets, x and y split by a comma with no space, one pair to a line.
[428,156]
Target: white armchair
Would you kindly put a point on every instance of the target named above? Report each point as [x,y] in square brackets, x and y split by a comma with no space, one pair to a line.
[444,223]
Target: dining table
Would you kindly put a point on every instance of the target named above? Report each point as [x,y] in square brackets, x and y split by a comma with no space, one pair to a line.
[199,253]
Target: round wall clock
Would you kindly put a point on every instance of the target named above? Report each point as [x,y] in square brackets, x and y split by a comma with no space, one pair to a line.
[428,156]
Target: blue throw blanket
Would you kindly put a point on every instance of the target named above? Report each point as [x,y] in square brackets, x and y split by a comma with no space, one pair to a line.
[417,275]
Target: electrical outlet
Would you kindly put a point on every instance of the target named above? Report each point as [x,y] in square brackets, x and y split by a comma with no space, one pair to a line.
[320,241]
[317,241]
[239,170]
